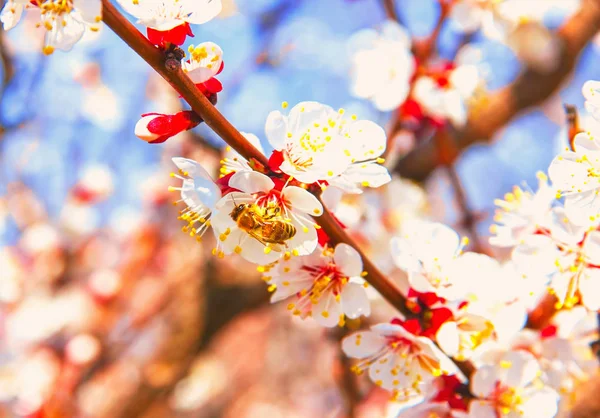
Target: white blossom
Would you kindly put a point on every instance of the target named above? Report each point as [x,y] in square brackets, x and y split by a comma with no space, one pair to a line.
[382,65]
[204,63]
[396,359]
[164,15]
[591,92]
[450,100]
[426,251]
[326,285]
[521,213]
[199,193]
[290,206]
[512,388]
[65,21]
[576,176]
[319,144]
[570,254]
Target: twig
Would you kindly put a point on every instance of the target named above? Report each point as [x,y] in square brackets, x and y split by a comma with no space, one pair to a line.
[530,88]
[424,48]
[390,10]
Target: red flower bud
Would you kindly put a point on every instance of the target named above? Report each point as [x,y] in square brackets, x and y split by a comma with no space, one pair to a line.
[156,128]
[176,36]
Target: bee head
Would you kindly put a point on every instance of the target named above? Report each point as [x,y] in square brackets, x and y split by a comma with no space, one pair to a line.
[237,211]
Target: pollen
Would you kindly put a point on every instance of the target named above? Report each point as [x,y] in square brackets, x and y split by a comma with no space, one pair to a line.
[284,105]
[237,249]
[48,50]
[268,250]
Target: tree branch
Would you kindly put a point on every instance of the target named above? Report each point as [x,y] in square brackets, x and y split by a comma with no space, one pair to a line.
[529,89]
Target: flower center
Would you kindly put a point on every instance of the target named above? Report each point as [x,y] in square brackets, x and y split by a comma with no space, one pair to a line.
[57,7]
[508,399]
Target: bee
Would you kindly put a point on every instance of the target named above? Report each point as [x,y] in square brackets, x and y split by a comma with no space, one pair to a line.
[266,226]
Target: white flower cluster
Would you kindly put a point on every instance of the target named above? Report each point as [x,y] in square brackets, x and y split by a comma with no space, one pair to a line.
[66,21]
[385,72]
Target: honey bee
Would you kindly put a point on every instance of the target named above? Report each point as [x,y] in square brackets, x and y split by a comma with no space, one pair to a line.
[264,225]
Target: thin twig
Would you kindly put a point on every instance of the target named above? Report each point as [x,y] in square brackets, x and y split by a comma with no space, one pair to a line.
[531,88]
[390,10]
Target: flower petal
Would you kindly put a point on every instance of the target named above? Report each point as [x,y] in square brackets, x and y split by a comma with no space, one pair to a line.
[484,381]
[355,301]
[201,11]
[348,260]
[327,310]
[251,182]
[447,338]
[276,129]
[302,200]
[363,344]
[482,409]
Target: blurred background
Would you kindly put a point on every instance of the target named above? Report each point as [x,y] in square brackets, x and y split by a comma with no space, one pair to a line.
[108,310]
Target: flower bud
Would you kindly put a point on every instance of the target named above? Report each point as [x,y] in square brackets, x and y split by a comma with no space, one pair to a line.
[156,128]
[175,36]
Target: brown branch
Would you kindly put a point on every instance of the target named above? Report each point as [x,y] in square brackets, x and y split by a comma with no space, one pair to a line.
[390,10]
[213,118]
[531,88]
[424,48]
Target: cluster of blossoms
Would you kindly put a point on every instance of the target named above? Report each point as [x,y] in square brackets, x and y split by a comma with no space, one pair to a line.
[65,21]
[461,307]
[385,71]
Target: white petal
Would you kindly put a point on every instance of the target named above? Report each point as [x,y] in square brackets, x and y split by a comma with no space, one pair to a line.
[591,247]
[327,310]
[141,129]
[253,139]
[591,90]
[367,140]
[368,174]
[447,338]
[11,15]
[482,409]
[363,344]
[65,32]
[305,114]
[484,381]
[392,95]
[542,404]
[251,182]
[90,10]
[276,129]
[348,260]
[589,287]
[285,291]
[302,200]
[191,167]
[517,369]
[355,301]
[331,197]
[227,202]
[201,11]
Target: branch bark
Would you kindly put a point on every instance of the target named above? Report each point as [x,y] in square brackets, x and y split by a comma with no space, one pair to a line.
[529,89]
